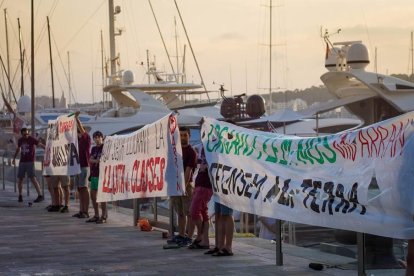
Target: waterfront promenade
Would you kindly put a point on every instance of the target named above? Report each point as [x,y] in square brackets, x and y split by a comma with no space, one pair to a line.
[35,242]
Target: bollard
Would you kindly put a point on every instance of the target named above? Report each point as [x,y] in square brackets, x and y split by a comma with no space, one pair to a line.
[4,183]
[27,186]
[43,180]
[136,211]
[15,177]
[279,254]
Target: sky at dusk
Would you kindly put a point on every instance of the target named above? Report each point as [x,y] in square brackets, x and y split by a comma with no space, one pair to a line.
[230,39]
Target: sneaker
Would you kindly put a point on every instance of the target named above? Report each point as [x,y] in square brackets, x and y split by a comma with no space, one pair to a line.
[20,198]
[92,219]
[39,199]
[64,209]
[175,239]
[101,220]
[55,208]
[83,215]
[77,215]
[186,241]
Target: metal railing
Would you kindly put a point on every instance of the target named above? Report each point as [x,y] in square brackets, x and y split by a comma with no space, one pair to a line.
[161,214]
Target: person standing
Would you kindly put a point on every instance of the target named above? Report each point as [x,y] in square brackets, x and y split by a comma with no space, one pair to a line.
[96,152]
[182,203]
[225,228]
[84,144]
[26,145]
[199,210]
[60,190]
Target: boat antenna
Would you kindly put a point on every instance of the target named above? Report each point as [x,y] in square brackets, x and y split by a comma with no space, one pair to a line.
[326,35]
[191,48]
[163,42]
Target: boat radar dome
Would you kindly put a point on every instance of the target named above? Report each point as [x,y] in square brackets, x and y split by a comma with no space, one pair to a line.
[358,56]
[24,104]
[128,77]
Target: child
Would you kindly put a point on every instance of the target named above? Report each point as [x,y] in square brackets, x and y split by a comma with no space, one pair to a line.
[96,152]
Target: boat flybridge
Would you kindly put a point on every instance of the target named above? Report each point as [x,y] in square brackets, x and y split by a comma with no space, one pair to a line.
[137,105]
[369,96]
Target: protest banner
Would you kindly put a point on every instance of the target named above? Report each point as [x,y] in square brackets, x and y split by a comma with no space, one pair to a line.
[359,180]
[61,150]
[145,163]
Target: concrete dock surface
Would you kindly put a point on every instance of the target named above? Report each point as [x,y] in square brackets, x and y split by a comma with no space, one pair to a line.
[36,242]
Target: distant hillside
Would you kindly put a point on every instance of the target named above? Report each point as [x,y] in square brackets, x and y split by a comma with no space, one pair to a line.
[309,95]
[316,93]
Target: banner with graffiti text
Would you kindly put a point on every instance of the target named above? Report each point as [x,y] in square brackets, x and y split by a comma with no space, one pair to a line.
[145,163]
[360,180]
[61,151]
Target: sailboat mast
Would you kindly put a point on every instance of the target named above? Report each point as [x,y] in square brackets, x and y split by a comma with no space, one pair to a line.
[33,70]
[191,48]
[163,42]
[69,81]
[412,56]
[103,72]
[270,60]
[7,51]
[176,47]
[112,37]
[21,60]
[51,63]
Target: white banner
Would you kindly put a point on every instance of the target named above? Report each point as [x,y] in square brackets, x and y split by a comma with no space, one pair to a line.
[145,163]
[61,151]
[359,180]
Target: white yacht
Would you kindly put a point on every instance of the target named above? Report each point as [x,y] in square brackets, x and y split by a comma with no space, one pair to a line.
[369,96]
[137,105]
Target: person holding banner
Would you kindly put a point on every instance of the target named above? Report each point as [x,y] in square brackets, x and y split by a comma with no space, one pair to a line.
[199,210]
[84,143]
[96,152]
[182,203]
[225,227]
[26,145]
[60,185]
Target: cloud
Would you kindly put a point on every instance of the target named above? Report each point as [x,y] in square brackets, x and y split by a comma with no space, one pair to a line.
[230,37]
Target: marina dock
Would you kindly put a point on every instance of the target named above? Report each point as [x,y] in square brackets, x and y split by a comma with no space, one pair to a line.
[36,242]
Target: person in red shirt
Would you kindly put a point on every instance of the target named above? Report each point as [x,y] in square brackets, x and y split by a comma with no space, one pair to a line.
[26,145]
[182,204]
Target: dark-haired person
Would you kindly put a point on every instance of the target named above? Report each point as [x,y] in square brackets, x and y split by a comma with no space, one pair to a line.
[84,143]
[96,152]
[182,203]
[26,145]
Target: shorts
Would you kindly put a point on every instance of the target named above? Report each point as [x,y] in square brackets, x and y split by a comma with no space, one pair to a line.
[223,210]
[55,180]
[26,167]
[94,183]
[82,178]
[199,209]
[182,204]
